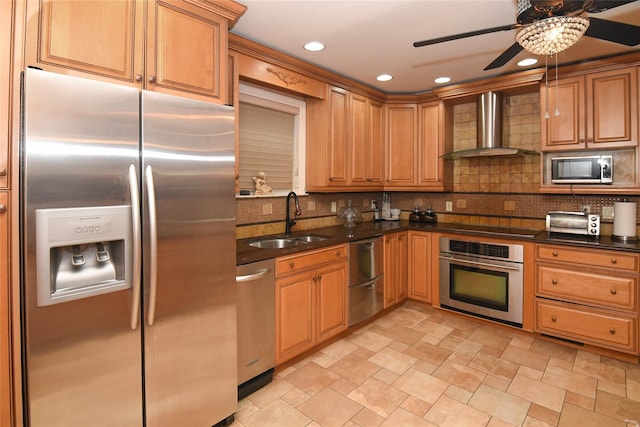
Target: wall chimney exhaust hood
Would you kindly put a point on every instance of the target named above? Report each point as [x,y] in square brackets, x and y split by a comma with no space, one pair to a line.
[489,131]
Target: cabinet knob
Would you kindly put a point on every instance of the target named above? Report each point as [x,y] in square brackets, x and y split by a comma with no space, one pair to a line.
[138,77]
[330,179]
[554,318]
[291,264]
[612,331]
[554,281]
[3,208]
[613,292]
[614,261]
[554,253]
[337,253]
[3,171]
[314,278]
[152,79]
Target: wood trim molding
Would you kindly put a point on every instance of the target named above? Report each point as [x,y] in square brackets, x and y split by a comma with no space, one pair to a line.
[228,9]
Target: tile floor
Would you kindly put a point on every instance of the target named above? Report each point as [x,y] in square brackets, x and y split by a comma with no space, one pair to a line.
[419,366]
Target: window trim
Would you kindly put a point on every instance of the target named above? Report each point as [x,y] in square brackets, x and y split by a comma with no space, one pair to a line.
[289,104]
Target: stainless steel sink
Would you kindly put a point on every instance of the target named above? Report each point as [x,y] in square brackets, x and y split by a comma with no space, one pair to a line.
[285,242]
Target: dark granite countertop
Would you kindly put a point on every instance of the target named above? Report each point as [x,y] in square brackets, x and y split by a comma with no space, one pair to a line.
[339,234]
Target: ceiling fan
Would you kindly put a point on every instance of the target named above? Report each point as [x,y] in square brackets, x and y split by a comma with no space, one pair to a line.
[535,12]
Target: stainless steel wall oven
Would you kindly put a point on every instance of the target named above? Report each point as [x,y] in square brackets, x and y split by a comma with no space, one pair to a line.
[482,279]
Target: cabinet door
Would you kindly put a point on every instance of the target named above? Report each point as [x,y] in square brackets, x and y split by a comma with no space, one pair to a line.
[401,259]
[419,260]
[375,145]
[358,139]
[337,149]
[5,313]
[401,131]
[430,144]
[612,109]
[187,51]
[101,39]
[395,268]
[294,315]
[332,299]
[565,131]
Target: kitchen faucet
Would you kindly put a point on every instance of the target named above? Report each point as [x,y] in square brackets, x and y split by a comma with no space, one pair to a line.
[291,222]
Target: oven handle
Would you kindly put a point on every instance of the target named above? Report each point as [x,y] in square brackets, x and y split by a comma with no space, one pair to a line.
[483,264]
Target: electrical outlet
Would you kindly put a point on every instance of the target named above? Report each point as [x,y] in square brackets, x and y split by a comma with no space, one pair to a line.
[267,209]
[607,212]
[334,207]
[448,206]
[373,204]
[585,208]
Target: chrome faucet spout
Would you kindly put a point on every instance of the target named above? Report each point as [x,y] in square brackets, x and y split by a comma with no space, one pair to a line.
[288,221]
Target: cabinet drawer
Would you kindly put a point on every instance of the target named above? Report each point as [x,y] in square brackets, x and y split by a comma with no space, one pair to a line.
[588,325]
[594,258]
[294,263]
[589,287]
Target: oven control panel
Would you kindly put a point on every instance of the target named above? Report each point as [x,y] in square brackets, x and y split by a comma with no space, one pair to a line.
[497,251]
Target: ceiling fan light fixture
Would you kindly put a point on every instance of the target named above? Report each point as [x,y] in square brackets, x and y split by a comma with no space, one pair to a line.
[552,35]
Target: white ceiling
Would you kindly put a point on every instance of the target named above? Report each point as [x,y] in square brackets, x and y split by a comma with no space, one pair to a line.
[365,38]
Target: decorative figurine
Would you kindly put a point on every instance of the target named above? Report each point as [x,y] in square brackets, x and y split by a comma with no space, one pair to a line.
[261,184]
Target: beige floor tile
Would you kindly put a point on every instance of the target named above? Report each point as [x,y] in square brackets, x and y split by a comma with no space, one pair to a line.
[370,340]
[507,407]
[497,422]
[434,329]
[580,400]
[460,375]
[613,388]
[379,397]
[573,416]
[489,338]
[277,414]
[428,352]
[295,397]
[311,378]
[601,371]
[354,369]
[555,350]
[340,349]
[416,406]
[404,335]
[492,365]
[367,418]
[402,417]
[329,408]
[421,385]
[534,374]
[407,317]
[393,360]
[571,381]
[543,414]
[617,407]
[386,376]
[497,383]
[343,386]
[533,422]
[267,395]
[459,394]
[527,358]
[633,390]
[538,392]
[447,412]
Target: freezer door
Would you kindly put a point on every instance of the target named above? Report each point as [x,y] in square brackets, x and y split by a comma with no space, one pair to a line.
[82,358]
[189,230]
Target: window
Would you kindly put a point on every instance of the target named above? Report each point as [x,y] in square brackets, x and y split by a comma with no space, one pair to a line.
[271,139]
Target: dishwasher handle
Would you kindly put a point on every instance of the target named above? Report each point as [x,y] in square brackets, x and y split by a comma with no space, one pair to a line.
[253,276]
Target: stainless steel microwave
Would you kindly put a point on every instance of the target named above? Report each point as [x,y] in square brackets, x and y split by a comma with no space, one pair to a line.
[582,170]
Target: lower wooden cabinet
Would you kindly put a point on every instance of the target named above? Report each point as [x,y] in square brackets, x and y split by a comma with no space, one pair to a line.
[5,314]
[419,266]
[395,268]
[588,295]
[311,299]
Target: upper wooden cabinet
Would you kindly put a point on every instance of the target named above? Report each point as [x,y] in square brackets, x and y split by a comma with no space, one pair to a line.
[344,142]
[401,145]
[171,46]
[599,110]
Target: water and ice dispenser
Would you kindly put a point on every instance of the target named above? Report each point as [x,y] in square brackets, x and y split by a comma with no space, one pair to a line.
[81,252]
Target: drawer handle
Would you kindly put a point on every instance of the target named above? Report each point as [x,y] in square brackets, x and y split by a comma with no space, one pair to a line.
[613,292]
[554,318]
[614,261]
[554,281]
[337,253]
[291,264]
[554,253]
[612,331]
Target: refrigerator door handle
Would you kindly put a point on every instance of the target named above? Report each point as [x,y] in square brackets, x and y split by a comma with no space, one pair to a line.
[153,243]
[135,226]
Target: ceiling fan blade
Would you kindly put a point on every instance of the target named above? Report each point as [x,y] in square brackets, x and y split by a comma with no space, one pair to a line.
[465,35]
[506,56]
[602,5]
[616,32]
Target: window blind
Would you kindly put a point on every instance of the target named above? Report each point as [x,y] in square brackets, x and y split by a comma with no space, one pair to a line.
[266,145]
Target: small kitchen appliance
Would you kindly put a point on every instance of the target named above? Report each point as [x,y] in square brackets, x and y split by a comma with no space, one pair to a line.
[421,216]
[582,170]
[624,221]
[580,223]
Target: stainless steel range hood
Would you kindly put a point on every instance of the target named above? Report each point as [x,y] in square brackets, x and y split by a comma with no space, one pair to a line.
[489,131]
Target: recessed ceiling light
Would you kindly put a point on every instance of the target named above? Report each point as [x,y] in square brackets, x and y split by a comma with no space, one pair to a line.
[384,78]
[314,46]
[442,80]
[527,61]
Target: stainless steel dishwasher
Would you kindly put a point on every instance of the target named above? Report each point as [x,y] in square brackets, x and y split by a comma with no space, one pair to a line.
[255,283]
[366,279]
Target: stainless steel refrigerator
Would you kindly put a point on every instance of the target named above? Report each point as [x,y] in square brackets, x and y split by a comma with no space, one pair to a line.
[128,256]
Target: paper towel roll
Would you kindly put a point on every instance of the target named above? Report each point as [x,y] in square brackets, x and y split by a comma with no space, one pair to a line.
[624,220]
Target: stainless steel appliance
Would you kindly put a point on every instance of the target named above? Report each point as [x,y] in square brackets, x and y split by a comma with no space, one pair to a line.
[573,223]
[483,279]
[366,279]
[582,169]
[128,260]
[256,325]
